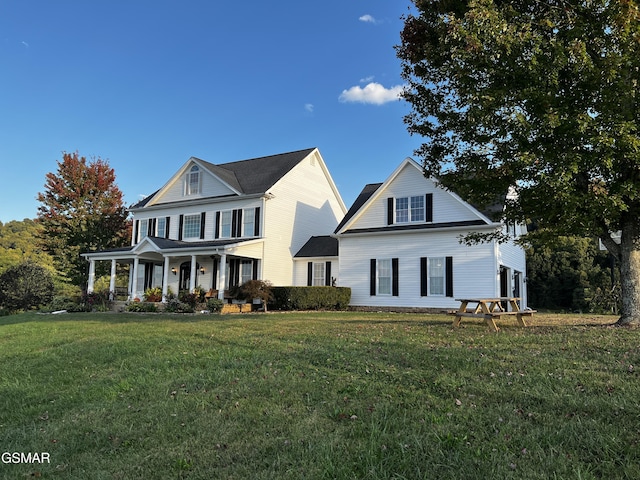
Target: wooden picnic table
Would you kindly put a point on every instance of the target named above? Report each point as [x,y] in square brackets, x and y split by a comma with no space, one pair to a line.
[489,309]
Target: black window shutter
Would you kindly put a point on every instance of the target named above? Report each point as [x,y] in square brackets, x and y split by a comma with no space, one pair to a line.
[136,228]
[150,225]
[372,279]
[327,274]
[424,280]
[428,207]
[203,220]
[214,283]
[239,224]
[255,269]
[180,225]
[390,211]
[217,225]
[256,223]
[234,223]
[309,274]
[166,227]
[449,276]
[395,290]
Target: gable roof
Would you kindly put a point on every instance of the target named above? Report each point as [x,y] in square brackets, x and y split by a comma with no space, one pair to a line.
[373,190]
[319,246]
[366,192]
[247,177]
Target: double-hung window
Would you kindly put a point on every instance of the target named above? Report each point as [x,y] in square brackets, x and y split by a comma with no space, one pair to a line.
[143,229]
[410,209]
[191,226]
[384,276]
[225,224]
[248,222]
[436,270]
[246,271]
[161,227]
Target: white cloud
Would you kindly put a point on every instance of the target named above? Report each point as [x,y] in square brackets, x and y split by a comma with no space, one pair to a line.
[373,93]
[368,19]
[367,79]
[308,107]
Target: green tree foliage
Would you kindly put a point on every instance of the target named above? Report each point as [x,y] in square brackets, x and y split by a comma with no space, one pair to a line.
[81,210]
[571,274]
[25,286]
[540,96]
[19,243]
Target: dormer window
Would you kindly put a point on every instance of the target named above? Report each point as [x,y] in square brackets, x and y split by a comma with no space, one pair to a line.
[193,181]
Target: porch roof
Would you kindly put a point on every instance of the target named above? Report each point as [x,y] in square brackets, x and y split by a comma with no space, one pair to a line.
[168,246]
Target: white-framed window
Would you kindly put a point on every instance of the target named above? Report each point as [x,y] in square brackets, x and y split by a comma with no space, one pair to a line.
[410,209]
[192,185]
[143,229]
[191,227]
[161,227]
[225,223]
[319,272]
[436,272]
[384,276]
[248,222]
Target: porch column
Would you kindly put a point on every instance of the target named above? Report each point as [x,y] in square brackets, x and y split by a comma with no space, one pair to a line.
[165,280]
[92,275]
[194,273]
[222,276]
[112,281]
[134,280]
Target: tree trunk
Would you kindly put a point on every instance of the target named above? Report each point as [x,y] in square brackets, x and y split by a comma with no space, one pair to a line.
[630,277]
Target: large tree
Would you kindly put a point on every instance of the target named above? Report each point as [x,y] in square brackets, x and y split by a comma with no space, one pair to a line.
[537,95]
[81,210]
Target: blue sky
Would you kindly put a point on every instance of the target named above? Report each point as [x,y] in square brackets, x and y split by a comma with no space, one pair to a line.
[146,84]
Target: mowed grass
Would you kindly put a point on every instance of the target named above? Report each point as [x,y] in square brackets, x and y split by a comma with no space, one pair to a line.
[342,395]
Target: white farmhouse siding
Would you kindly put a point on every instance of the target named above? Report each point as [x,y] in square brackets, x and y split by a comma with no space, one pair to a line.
[471,266]
[303,203]
[393,256]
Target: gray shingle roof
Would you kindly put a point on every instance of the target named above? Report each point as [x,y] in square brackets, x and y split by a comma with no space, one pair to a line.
[320,246]
[365,194]
[252,176]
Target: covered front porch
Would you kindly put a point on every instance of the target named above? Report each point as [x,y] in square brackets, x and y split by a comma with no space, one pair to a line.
[175,266]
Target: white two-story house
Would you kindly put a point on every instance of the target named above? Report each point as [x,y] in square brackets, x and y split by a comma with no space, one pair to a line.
[399,246]
[216,226]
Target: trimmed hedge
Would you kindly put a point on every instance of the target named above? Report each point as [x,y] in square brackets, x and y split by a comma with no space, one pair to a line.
[311,298]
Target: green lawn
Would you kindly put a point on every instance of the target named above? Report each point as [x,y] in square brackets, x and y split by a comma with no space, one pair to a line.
[318,396]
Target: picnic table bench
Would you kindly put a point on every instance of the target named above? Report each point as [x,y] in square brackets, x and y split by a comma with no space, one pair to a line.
[490,308]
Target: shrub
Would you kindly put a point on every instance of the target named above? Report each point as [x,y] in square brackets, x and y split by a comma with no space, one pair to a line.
[174,305]
[190,299]
[311,298]
[142,307]
[214,304]
[251,289]
[97,301]
[25,286]
[64,302]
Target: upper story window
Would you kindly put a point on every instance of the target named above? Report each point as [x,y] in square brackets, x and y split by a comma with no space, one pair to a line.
[143,229]
[192,226]
[193,181]
[226,220]
[410,209]
[413,209]
[238,223]
[161,227]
